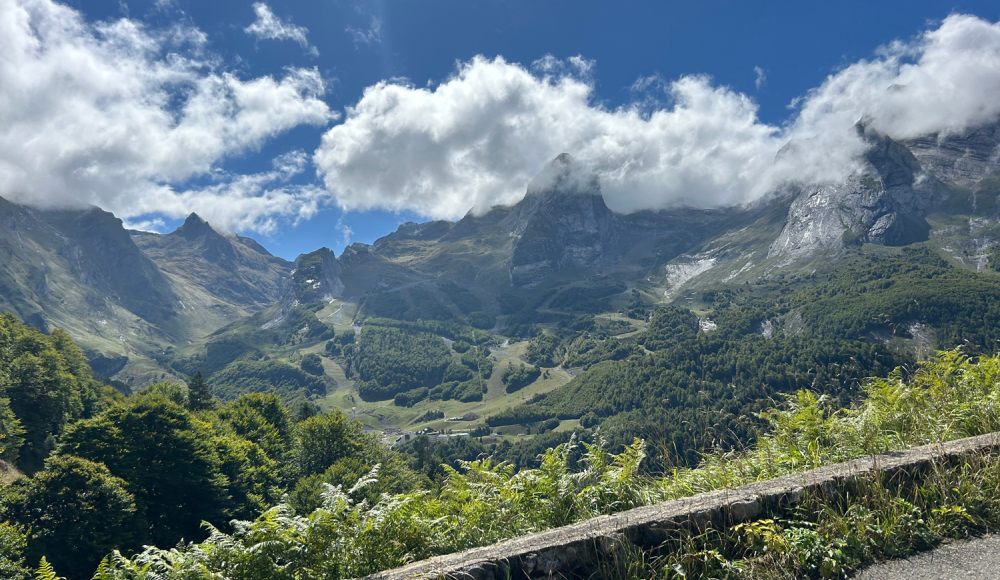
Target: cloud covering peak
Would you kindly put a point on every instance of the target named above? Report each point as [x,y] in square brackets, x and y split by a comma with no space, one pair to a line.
[478,138]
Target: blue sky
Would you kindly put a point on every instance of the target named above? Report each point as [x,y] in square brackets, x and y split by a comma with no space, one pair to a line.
[767,53]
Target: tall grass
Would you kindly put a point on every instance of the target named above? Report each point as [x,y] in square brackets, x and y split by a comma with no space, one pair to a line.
[947,398]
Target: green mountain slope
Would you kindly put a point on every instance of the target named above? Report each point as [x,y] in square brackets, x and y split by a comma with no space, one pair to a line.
[124,302]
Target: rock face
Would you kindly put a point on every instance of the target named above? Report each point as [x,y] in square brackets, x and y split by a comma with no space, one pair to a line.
[65,267]
[317,277]
[960,160]
[234,269]
[884,203]
[561,221]
[104,258]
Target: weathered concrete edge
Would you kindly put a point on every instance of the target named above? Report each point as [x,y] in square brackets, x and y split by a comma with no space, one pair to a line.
[562,549]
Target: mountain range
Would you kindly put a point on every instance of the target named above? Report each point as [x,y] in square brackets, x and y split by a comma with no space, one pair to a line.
[128,297]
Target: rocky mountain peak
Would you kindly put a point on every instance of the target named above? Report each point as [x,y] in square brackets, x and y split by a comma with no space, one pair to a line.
[883,202]
[561,221]
[566,192]
[317,277]
[194,227]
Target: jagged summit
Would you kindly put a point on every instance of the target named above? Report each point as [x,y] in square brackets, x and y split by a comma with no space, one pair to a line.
[194,227]
[561,221]
[566,191]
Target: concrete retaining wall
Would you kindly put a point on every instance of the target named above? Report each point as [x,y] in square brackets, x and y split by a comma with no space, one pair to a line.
[561,551]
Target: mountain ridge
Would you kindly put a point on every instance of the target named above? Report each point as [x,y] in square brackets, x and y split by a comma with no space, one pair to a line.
[158,291]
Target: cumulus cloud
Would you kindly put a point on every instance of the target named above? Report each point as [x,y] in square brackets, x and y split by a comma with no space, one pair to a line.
[120,116]
[478,138]
[945,81]
[270,27]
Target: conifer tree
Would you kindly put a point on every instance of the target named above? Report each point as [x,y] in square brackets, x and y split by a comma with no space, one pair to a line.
[199,393]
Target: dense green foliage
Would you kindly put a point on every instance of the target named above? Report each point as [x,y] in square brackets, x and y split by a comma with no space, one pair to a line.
[450,329]
[411,397]
[389,361]
[412,304]
[218,353]
[543,350]
[76,512]
[199,394]
[515,379]
[312,364]
[44,384]
[481,320]
[696,390]
[586,351]
[12,547]
[483,502]
[887,293]
[348,537]
[165,457]
[260,376]
[120,473]
[148,471]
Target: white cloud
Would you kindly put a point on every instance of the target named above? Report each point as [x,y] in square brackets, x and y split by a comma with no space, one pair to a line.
[761,77]
[121,116]
[346,232]
[155,225]
[947,80]
[478,138]
[371,36]
[255,202]
[270,27]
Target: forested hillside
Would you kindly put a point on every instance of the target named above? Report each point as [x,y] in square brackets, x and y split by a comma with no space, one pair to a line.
[691,389]
[88,470]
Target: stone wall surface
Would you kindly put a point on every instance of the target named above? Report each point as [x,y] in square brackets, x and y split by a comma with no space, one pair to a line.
[562,551]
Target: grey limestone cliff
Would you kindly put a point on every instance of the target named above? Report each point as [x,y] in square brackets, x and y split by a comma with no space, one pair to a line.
[884,202]
[561,221]
[960,159]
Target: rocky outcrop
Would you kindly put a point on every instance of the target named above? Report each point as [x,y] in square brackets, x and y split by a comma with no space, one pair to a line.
[317,277]
[102,256]
[561,221]
[962,159]
[884,202]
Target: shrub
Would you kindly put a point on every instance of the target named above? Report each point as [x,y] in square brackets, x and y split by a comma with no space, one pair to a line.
[410,398]
[312,364]
[516,379]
